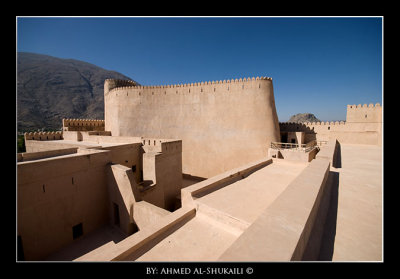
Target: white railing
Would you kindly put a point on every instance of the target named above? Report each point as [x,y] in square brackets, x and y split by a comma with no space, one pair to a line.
[294,146]
[321,142]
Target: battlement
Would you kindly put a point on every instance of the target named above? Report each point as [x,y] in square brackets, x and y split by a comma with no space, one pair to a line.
[83,125]
[110,84]
[161,145]
[43,136]
[377,105]
[355,113]
[364,113]
[313,123]
[120,85]
[312,127]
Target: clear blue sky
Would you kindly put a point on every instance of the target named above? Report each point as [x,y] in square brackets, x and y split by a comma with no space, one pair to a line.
[318,65]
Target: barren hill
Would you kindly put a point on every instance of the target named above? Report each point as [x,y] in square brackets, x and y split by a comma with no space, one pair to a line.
[50,88]
[303,117]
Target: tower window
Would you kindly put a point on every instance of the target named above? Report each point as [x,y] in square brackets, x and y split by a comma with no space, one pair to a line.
[365,116]
[77,231]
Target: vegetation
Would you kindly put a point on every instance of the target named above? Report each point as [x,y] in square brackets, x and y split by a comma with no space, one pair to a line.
[21,144]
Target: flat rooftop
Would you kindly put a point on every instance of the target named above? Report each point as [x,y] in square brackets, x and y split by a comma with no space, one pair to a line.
[224,214]
[359,204]
[354,219]
[90,144]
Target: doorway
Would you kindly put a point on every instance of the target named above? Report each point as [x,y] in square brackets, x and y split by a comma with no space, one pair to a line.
[116,214]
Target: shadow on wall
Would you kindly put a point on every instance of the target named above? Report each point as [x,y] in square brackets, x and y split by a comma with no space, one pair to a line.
[337,159]
[321,243]
[329,231]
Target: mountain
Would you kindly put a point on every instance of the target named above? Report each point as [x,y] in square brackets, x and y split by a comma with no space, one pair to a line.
[303,117]
[50,89]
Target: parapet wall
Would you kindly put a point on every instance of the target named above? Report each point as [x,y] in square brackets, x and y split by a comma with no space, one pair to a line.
[164,146]
[364,113]
[29,156]
[83,125]
[43,136]
[362,126]
[282,232]
[110,84]
[222,124]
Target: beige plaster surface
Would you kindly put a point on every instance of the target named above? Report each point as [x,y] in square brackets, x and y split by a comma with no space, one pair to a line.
[197,240]
[247,198]
[359,211]
[224,214]
[100,239]
[222,125]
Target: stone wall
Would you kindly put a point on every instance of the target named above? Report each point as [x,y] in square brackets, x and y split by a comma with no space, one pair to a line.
[362,126]
[56,194]
[222,124]
[83,125]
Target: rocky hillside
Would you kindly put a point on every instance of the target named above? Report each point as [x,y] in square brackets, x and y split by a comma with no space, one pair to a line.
[303,117]
[50,89]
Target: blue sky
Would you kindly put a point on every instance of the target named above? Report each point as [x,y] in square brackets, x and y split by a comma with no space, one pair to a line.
[318,64]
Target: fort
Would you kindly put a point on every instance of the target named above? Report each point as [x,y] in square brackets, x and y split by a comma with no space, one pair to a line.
[201,172]
[222,124]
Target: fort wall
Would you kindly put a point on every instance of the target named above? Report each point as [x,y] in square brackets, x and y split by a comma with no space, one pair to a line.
[56,194]
[162,168]
[29,156]
[283,230]
[38,146]
[222,124]
[83,125]
[364,113]
[362,126]
[43,136]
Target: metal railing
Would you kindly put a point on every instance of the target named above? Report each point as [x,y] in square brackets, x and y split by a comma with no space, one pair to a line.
[322,142]
[294,146]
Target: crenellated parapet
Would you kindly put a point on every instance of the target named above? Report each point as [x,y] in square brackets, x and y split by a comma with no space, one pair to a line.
[110,84]
[43,136]
[123,85]
[161,145]
[364,113]
[321,123]
[312,126]
[354,107]
[230,111]
[83,125]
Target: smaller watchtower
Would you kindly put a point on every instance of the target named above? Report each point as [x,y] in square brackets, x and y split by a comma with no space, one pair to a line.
[364,114]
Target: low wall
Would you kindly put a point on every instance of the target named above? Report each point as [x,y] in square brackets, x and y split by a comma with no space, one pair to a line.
[43,136]
[327,151]
[123,194]
[145,213]
[162,173]
[137,244]
[37,145]
[214,183]
[105,137]
[346,132]
[28,156]
[83,125]
[294,155]
[282,231]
